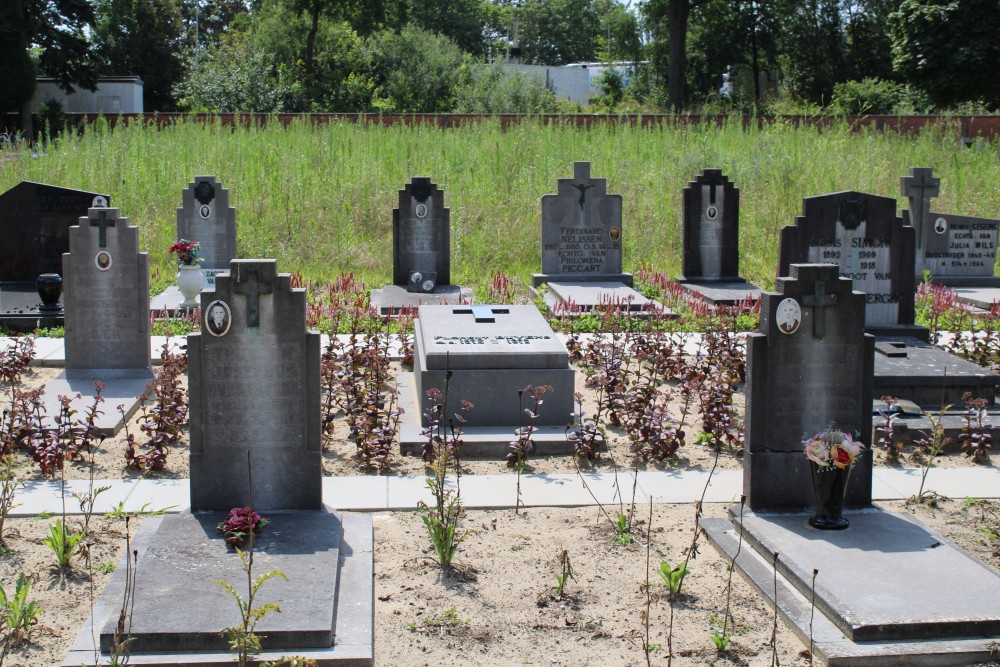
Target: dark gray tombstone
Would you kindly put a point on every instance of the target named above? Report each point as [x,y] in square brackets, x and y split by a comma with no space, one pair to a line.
[861,234]
[809,370]
[205,216]
[711,259]
[106,297]
[957,250]
[421,252]
[34,224]
[254,385]
[582,232]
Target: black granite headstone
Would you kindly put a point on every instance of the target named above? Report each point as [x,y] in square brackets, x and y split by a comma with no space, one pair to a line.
[862,234]
[421,237]
[34,227]
[810,370]
[711,228]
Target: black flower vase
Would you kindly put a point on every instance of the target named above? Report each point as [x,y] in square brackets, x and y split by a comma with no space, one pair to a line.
[830,487]
[49,290]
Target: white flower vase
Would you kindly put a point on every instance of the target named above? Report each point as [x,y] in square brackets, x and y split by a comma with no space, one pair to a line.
[189,282]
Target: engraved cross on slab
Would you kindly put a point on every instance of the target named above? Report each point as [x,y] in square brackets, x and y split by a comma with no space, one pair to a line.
[819,300]
[249,284]
[481,313]
[102,223]
[919,187]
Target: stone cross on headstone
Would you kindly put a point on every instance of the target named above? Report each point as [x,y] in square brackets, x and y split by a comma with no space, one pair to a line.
[799,384]
[205,216]
[102,223]
[819,300]
[582,232]
[248,282]
[919,187]
[254,385]
[481,313]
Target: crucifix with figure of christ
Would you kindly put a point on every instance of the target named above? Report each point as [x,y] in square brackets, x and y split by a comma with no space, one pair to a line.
[249,284]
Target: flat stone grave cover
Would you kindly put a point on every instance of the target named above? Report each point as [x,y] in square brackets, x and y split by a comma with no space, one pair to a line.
[915,370]
[956,249]
[711,260]
[888,590]
[862,235]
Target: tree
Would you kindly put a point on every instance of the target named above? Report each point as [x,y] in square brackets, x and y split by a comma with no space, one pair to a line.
[813,48]
[54,30]
[557,32]
[416,71]
[143,38]
[667,21]
[950,49]
[461,21]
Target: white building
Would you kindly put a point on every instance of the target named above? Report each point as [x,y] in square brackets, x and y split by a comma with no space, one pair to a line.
[114,95]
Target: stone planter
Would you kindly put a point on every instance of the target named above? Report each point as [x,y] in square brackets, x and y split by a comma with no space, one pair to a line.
[189,282]
[49,290]
[830,486]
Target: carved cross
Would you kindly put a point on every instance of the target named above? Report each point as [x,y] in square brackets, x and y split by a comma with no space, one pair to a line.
[481,313]
[919,187]
[250,285]
[819,300]
[102,223]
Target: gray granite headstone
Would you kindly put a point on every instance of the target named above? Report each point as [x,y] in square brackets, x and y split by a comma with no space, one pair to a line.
[862,234]
[582,232]
[956,249]
[421,237]
[106,296]
[34,227]
[253,379]
[205,216]
[711,228]
[809,370]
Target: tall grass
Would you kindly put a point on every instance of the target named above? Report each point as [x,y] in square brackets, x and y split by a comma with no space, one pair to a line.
[320,199]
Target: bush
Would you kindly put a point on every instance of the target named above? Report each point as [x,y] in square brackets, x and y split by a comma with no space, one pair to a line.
[493,89]
[416,71]
[869,96]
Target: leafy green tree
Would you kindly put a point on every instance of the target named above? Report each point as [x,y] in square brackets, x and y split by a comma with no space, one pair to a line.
[491,89]
[666,22]
[416,71]
[461,21]
[53,30]
[813,48]
[618,37]
[144,38]
[557,32]
[949,50]
[869,44]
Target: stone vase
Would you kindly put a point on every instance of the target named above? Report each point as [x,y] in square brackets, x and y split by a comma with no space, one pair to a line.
[49,287]
[830,486]
[189,282]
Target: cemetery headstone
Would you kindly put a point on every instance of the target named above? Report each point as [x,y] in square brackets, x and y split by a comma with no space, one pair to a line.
[205,216]
[582,250]
[34,224]
[812,344]
[254,405]
[957,250]
[491,353]
[861,234]
[421,252]
[254,385]
[711,257]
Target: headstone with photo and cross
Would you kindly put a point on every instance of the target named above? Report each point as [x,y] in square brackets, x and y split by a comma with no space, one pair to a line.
[582,249]
[711,259]
[205,216]
[486,355]
[421,252]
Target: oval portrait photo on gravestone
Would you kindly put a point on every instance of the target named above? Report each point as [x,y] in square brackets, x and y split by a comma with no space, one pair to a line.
[218,318]
[712,213]
[615,233]
[788,316]
[103,260]
[205,211]
[421,210]
[940,225]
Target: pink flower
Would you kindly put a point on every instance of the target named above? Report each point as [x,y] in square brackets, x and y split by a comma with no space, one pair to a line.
[817,452]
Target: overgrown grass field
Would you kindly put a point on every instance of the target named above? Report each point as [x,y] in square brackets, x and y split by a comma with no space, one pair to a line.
[320,199]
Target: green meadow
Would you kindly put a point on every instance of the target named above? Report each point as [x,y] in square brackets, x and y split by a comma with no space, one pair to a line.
[320,199]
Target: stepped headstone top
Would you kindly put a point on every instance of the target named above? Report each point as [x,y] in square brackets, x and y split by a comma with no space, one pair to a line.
[34,226]
[421,238]
[205,216]
[711,228]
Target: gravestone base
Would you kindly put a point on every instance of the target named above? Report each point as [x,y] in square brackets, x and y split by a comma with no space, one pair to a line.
[722,292]
[572,299]
[394,298]
[327,605]
[914,370]
[882,610]
[783,481]
[538,279]
[124,387]
[19,308]
[477,441]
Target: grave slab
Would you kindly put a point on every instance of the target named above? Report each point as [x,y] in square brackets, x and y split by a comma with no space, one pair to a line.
[119,389]
[722,293]
[917,371]
[394,299]
[829,643]
[568,299]
[979,297]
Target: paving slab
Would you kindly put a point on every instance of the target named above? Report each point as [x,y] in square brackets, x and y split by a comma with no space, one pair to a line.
[173,495]
[675,486]
[357,492]
[888,595]
[39,496]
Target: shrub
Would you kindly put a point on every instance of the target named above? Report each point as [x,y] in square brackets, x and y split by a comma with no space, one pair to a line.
[868,96]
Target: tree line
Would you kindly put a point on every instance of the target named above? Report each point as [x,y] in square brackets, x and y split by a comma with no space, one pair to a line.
[854,56]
